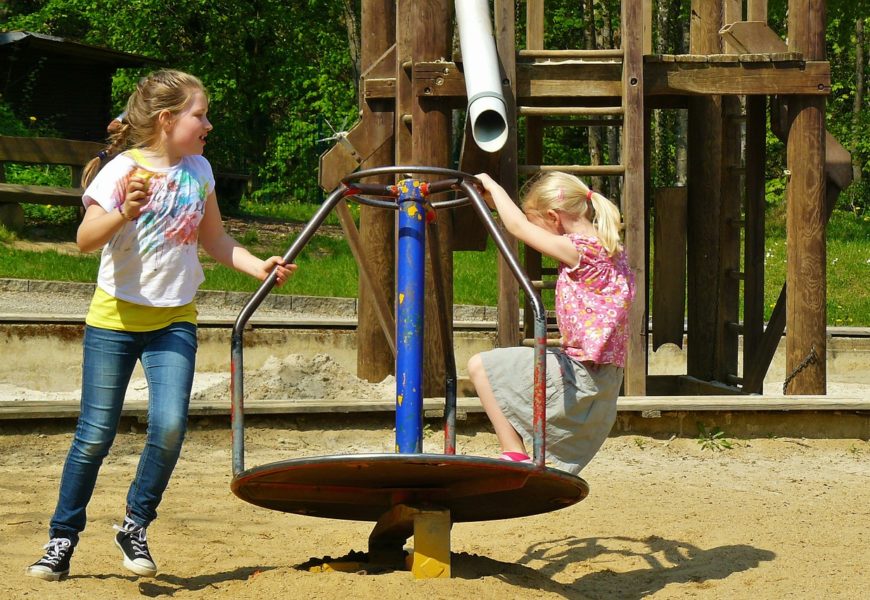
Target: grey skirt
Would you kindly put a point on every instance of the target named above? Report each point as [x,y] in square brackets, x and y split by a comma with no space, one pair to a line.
[581,401]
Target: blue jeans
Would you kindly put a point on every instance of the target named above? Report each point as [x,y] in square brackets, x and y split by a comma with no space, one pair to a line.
[168,358]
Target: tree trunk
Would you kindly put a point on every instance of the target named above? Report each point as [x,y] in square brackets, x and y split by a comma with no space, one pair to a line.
[351,23]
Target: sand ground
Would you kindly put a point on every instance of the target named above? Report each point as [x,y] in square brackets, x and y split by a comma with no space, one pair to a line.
[666,518]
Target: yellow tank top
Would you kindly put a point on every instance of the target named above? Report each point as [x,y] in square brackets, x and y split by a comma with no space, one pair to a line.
[108,312]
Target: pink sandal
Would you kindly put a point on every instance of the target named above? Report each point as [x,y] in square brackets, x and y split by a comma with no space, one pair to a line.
[515,457]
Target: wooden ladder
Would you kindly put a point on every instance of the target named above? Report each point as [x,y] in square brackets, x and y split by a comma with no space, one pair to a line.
[628,114]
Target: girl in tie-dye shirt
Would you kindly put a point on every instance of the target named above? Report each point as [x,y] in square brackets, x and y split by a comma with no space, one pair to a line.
[148,209]
[565,219]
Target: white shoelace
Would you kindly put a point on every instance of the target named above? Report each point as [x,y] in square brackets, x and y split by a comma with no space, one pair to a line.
[140,547]
[54,548]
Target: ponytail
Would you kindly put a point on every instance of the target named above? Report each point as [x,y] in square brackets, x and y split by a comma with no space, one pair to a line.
[117,144]
[607,222]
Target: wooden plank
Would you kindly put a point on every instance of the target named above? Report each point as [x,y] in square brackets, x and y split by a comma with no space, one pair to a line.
[541,111]
[48,151]
[592,54]
[633,198]
[728,403]
[536,81]
[588,170]
[535,24]
[812,78]
[504,19]
[753,246]
[11,193]
[669,267]
[745,37]
[69,409]
[560,80]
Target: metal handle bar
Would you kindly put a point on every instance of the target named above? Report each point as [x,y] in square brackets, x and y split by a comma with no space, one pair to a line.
[456,179]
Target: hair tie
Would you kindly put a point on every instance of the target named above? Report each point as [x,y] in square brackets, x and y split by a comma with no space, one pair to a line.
[102,154]
[589,195]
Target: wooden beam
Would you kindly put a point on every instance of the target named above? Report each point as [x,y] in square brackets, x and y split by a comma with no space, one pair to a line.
[633,197]
[532,258]
[744,74]
[756,10]
[535,24]
[806,313]
[669,267]
[753,242]
[731,198]
[431,27]
[704,202]
[504,19]
[740,78]
[376,328]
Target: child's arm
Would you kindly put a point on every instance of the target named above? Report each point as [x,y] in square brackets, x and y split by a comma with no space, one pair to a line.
[98,226]
[516,222]
[230,253]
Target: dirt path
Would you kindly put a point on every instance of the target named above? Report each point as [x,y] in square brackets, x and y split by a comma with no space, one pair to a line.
[770,518]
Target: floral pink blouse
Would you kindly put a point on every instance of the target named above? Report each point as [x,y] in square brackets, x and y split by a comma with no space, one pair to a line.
[592,302]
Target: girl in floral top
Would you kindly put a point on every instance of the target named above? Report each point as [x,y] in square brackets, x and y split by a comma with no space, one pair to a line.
[565,219]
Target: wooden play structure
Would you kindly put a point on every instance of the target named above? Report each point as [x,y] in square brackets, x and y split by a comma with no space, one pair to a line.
[708,237]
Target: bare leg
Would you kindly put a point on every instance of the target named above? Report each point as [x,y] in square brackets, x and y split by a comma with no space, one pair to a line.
[508,437]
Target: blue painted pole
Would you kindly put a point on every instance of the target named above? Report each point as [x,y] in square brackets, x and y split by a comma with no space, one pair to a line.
[409,316]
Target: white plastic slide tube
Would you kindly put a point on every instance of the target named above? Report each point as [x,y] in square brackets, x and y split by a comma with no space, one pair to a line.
[487,109]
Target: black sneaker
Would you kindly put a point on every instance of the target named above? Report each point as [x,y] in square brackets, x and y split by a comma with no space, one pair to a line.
[134,547]
[54,565]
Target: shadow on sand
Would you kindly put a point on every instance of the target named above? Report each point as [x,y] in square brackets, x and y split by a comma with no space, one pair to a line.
[666,562]
[169,585]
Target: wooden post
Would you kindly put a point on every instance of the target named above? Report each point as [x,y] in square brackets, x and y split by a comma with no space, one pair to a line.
[504,19]
[753,244]
[806,316]
[633,197]
[729,242]
[374,360]
[756,10]
[430,146]
[704,200]
[534,26]
[534,150]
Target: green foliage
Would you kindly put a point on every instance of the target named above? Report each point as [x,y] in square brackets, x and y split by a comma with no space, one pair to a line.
[713,439]
[274,71]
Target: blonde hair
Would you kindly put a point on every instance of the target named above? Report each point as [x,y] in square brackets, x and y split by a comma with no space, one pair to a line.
[555,190]
[166,89]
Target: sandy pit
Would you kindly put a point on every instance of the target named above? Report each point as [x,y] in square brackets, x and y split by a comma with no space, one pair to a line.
[666,518]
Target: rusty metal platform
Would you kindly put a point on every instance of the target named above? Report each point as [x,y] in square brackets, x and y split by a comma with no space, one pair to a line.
[362,487]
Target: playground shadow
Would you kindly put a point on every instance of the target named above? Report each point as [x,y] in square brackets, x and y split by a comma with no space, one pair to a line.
[666,562]
[165,585]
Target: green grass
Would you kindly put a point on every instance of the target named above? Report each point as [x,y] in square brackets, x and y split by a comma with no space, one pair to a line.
[327,267]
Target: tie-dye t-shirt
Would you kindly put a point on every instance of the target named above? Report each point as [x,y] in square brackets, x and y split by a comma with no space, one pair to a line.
[153,260]
[592,302]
